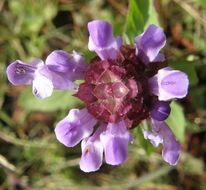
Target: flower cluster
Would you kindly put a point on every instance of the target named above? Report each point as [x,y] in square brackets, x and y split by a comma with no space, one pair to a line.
[123,85]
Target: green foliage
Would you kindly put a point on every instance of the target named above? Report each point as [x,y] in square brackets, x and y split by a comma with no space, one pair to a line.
[59,100]
[24,26]
[135,19]
[140,15]
[32,16]
[201,2]
[177,121]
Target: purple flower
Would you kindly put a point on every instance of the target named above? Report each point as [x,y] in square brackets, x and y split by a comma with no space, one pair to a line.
[76,126]
[161,133]
[168,84]
[149,44]
[102,41]
[20,73]
[115,140]
[110,139]
[92,151]
[59,72]
[69,66]
[122,86]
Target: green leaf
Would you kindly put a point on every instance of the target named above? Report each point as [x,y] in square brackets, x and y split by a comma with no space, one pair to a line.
[59,100]
[152,15]
[177,121]
[135,19]
[33,16]
[201,2]
[187,67]
[146,145]
[141,13]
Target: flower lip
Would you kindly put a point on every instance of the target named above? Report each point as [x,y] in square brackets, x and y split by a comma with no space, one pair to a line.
[149,43]
[76,126]
[70,66]
[19,73]
[168,84]
[100,32]
[92,151]
[102,41]
[115,140]
[59,61]
[42,86]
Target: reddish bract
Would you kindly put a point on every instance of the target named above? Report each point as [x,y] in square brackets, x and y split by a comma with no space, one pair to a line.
[116,89]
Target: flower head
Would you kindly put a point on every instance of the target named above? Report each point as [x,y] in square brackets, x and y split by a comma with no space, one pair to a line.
[123,85]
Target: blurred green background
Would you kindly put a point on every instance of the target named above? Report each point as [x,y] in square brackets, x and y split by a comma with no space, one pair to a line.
[31,157]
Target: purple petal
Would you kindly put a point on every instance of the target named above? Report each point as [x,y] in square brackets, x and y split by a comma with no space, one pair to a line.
[80,66]
[149,44]
[161,133]
[159,58]
[19,73]
[70,66]
[59,61]
[102,41]
[115,141]
[154,138]
[160,110]
[92,155]
[58,79]
[76,126]
[100,32]
[42,86]
[169,84]
[92,152]
[171,151]
[171,147]
[37,63]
